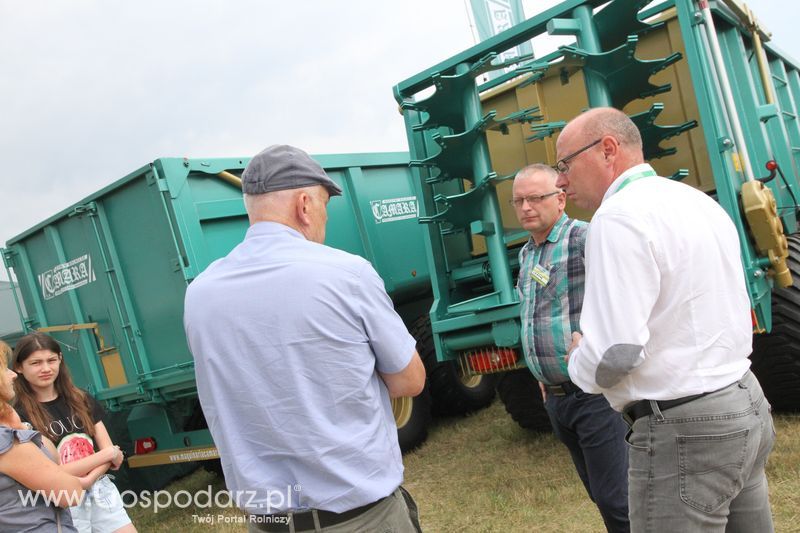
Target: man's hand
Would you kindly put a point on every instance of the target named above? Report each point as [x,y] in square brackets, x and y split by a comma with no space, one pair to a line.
[544,391]
[576,340]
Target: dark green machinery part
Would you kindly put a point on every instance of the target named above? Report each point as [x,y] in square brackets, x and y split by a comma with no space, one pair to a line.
[455,215]
[523,116]
[581,25]
[452,160]
[680,175]
[545,130]
[618,20]
[443,107]
[625,76]
[653,134]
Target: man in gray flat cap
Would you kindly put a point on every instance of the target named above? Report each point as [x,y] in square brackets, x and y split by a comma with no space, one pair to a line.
[298,351]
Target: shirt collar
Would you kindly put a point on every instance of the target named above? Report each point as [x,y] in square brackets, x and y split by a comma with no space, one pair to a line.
[261,229]
[555,231]
[614,187]
[558,228]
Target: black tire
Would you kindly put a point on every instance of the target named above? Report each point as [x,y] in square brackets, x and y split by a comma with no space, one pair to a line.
[452,393]
[412,416]
[519,392]
[213,466]
[776,355]
[197,420]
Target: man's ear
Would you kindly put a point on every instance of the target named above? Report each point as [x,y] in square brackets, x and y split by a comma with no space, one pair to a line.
[610,146]
[562,200]
[303,207]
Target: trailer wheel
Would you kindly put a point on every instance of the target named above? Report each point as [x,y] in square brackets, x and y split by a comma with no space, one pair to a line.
[412,416]
[452,392]
[197,420]
[519,392]
[776,355]
[457,394]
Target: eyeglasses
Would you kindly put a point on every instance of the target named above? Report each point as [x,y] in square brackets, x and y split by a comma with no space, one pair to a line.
[561,165]
[532,199]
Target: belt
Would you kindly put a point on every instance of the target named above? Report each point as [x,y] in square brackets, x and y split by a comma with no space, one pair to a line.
[562,389]
[303,520]
[642,408]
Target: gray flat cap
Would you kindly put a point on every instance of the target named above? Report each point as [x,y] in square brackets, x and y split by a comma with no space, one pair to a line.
[279,167]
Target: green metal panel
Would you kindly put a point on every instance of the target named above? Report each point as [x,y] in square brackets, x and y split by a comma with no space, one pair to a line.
[142,239]
[785,132]
[19,262]
[766,137]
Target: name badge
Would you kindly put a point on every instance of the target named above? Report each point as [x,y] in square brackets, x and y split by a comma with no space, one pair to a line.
[540,275]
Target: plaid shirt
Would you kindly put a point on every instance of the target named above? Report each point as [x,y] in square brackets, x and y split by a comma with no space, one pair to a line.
[550,312]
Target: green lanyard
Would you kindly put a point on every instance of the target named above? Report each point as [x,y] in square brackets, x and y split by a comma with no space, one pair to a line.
[639,175]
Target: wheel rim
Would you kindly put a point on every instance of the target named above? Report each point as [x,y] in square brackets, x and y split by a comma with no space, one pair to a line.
[470,381]
[401,409]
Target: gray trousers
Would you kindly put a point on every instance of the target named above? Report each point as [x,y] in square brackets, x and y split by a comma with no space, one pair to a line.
[396,514]
[700,466]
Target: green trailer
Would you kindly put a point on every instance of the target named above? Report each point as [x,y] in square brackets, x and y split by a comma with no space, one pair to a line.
[107,276]
[717,107]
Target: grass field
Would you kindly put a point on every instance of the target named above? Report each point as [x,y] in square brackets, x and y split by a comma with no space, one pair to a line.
[484,474]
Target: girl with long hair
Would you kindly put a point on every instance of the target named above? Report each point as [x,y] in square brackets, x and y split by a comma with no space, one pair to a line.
[33,488]
[48,399]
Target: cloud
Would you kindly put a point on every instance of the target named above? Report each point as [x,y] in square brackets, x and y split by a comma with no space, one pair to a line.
[102,87]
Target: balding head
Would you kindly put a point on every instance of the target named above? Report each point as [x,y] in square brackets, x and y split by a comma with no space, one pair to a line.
[611,144]
[304,209]
[602,121]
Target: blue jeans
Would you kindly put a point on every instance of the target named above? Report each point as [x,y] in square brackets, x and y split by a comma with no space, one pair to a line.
[700,466]
[595,435]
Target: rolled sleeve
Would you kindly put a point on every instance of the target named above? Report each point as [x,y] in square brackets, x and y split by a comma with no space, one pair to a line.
[388,337]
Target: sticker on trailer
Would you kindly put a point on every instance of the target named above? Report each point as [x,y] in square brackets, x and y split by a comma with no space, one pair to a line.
[66,277]
[394,209]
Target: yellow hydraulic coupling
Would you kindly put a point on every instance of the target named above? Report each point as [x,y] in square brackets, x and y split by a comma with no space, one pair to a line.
[761,212]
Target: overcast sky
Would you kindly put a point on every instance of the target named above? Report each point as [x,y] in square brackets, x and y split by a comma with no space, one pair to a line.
[92,89]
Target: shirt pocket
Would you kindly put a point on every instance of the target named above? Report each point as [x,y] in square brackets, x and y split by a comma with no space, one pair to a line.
[552,291]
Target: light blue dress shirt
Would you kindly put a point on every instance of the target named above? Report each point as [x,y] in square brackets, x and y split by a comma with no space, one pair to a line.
[287,336]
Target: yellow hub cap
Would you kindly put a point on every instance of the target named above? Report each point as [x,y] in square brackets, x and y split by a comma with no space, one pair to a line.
[470,381]
[401,409]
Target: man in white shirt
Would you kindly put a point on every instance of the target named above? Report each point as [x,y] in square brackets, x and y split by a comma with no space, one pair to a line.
[666,333]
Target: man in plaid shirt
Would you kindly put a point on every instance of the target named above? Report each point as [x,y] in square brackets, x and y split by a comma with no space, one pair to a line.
[551,284]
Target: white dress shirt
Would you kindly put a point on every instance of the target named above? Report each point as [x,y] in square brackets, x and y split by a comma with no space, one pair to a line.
[666,313]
